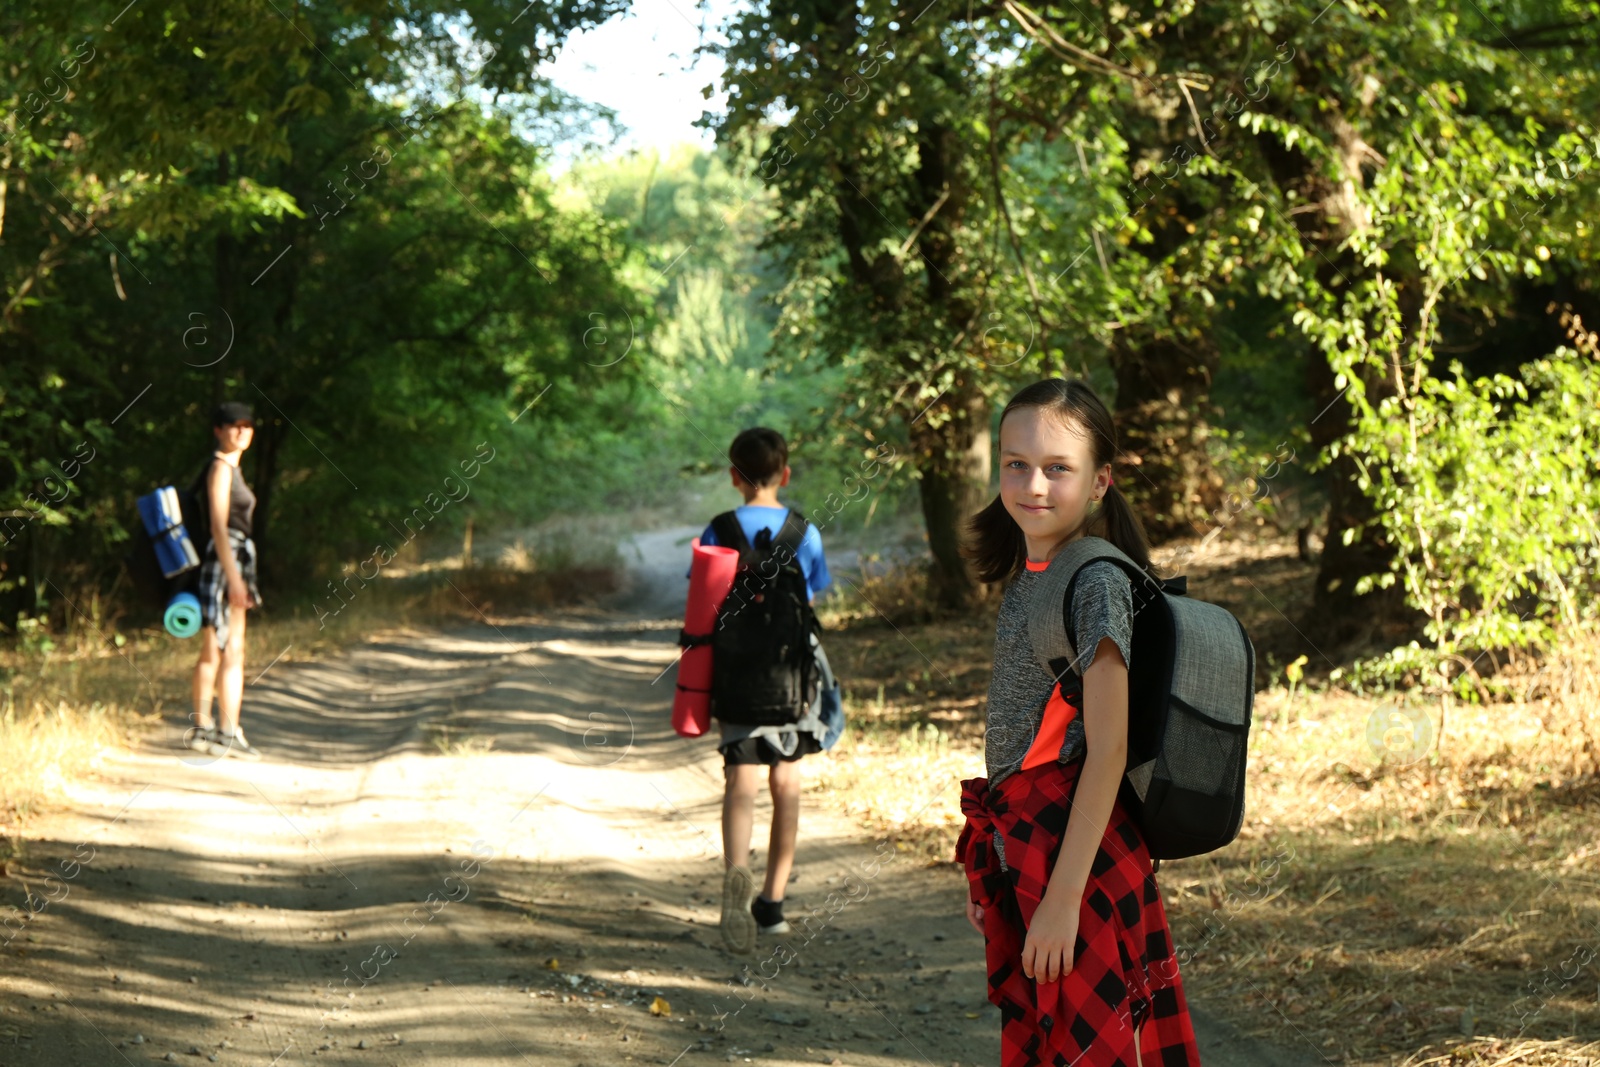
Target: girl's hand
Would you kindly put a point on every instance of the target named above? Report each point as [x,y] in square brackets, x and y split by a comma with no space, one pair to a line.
[1047,951]
[974,915]
[238,592]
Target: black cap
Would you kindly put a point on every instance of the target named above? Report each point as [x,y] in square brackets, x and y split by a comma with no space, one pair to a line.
[228,413]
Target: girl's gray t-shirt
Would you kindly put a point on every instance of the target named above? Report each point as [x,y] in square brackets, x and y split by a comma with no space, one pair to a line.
[1102,606]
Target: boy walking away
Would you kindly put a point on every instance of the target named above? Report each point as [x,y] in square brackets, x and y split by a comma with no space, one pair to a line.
[767,669]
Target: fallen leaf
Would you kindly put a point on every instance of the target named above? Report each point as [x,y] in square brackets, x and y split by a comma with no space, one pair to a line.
[552,964]
[659,1006]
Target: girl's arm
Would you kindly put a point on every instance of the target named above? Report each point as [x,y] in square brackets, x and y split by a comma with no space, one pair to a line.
[221,492]
[1047,952]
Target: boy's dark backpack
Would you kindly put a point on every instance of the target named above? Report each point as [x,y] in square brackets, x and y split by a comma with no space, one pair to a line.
[763,670]
[1191,687]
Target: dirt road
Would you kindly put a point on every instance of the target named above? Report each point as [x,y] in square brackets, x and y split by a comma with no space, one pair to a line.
[480,847]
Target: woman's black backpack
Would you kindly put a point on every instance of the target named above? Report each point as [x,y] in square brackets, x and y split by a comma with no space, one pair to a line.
[1191,687]
[763,671]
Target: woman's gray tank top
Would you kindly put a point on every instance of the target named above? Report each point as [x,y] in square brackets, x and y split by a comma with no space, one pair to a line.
[241,501]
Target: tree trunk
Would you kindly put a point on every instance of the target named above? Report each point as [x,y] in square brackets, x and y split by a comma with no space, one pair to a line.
[1337,616]
[1163,388]
[953,462]
[271,425]
[227,281]
[950,438]
[269,437]
[953,451]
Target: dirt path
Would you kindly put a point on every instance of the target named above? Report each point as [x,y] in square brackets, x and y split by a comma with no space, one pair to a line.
[385,889]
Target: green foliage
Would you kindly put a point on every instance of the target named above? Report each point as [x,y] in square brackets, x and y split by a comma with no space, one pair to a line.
[282,206]
[1488,490]
[1402,181]
[880,161]
[340,212]
[694,223]
[1478,176]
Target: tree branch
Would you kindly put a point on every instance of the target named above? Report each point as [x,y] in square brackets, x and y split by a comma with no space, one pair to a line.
[1529,37]
[932,211]
[1034,24]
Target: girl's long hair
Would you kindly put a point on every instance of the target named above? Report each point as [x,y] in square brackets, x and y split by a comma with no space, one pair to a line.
[994,540]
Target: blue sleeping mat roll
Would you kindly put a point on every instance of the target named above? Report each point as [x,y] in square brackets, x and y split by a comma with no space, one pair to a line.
[163,521]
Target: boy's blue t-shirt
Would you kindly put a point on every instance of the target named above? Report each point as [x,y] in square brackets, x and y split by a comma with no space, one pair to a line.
[755,518]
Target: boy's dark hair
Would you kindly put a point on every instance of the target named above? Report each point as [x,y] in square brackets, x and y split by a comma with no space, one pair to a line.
[759,455]
[995,543]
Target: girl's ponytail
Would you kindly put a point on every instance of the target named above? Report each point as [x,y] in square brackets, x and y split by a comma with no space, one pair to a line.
[1118,524]
[995,542]
[996,545]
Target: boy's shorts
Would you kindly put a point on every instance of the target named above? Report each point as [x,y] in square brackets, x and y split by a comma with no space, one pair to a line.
[758,750]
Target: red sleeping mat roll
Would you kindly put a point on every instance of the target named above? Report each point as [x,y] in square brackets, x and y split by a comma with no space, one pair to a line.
[710,578]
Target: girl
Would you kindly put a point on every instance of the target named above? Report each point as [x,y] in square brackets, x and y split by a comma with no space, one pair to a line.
[227,587]
[1079,954]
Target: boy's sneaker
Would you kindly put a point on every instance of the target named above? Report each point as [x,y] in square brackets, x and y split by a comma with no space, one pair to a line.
[235,745]
[768,915]
[738,924]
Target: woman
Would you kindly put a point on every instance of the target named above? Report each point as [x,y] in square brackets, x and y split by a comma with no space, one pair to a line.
[227,587]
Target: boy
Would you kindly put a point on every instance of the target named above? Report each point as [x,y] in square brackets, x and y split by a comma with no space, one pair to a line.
[759,460]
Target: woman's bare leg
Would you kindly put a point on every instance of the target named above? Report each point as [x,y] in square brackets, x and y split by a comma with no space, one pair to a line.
[230,686]
[205,678]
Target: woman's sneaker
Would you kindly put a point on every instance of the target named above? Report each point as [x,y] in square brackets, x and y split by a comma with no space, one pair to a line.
[768,915]
[203,739]
[235,745]
[738,924]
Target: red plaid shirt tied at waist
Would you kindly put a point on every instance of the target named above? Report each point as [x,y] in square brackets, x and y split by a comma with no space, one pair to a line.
[1123,978]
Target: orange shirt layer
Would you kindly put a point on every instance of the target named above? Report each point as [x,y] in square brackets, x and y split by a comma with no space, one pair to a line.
[1058,713]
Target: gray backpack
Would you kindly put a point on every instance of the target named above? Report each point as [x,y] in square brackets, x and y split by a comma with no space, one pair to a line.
[1191,686]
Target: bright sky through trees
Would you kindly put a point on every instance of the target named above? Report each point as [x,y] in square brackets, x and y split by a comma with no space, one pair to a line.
[642,66]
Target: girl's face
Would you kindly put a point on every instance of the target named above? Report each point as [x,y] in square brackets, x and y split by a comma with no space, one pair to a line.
[235,437]
[1047,476]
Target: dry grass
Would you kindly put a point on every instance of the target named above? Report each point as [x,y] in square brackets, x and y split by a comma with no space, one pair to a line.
[1442,907]
[1442,911]
[913,694]
[901,784]
[68,701]
[44,745]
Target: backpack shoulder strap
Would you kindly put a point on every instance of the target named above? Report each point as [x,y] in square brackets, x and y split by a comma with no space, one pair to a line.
[791,535]
[729,533]
[198,482]
[1050,607]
